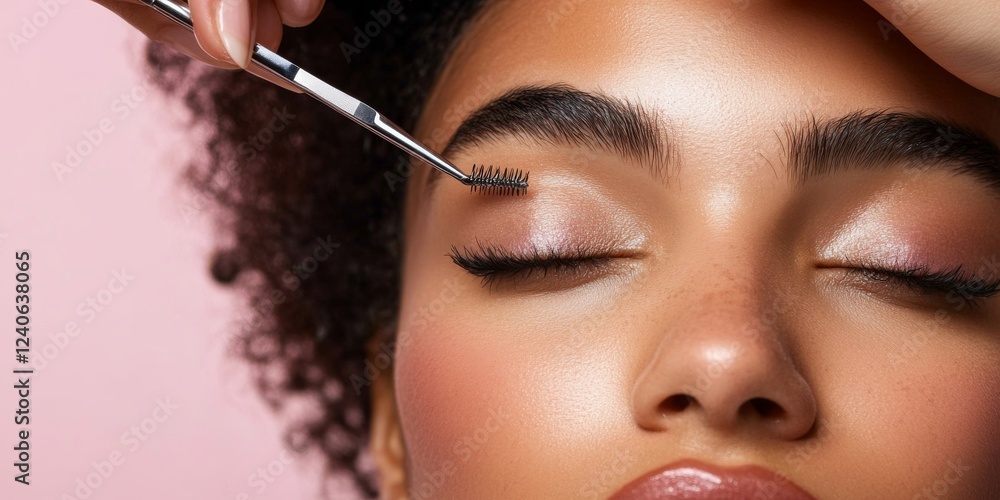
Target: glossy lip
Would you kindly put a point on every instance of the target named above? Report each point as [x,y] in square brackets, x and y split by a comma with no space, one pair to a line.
[697,480]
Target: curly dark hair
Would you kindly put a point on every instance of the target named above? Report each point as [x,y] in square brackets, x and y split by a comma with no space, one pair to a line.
[289,179]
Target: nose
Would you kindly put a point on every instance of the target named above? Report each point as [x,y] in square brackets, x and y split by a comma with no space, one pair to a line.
[727,369]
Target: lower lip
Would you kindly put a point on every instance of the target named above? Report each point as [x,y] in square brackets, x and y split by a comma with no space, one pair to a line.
[696,480]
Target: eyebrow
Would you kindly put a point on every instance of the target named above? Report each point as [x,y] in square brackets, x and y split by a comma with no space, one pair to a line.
[563,115]
[880,139]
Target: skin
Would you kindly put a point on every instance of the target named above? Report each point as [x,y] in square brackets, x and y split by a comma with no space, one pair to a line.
[735,284]
[556,390]
[956,35]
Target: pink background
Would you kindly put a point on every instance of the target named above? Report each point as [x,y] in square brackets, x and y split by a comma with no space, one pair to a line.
[164,336]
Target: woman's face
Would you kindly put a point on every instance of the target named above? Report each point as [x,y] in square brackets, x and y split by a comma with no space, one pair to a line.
[726,257]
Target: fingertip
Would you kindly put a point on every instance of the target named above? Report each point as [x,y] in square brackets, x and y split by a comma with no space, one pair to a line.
[184,41]
[297,13]
[236,23]
[204,16]
[237,49]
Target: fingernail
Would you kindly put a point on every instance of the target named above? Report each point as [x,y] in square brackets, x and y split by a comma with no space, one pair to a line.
[234,26]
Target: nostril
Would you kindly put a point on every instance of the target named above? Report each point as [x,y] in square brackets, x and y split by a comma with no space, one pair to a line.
[766,408]
[676,403]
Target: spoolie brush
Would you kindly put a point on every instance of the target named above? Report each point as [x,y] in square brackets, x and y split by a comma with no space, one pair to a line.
[486,181]
[505,183]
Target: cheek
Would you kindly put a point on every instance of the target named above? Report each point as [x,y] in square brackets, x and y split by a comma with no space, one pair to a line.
[451,396]
[490,402]
[935,413]
[951,414]
[445,388]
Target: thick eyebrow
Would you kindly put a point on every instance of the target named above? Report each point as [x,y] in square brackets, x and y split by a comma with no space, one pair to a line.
[880,139]
[563,115]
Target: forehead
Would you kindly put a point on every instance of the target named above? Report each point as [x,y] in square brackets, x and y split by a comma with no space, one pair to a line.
[722,69]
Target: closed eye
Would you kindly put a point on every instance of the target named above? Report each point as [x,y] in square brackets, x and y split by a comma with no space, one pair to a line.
[955,285]
[496,265]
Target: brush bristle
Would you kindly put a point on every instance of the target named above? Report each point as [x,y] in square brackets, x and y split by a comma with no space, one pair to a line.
[506,182]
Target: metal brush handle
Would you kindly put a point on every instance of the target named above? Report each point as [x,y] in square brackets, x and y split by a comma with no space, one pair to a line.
[348,106]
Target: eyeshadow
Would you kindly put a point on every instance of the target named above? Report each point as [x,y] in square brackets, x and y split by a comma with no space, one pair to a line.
[569,217]
[934,227]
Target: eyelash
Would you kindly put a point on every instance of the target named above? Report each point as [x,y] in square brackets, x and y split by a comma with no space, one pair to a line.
[919,279]
[494,264]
